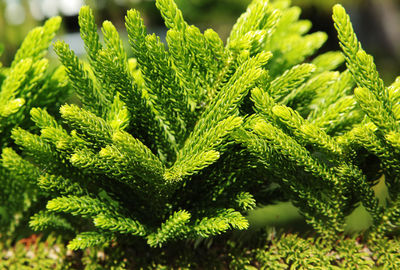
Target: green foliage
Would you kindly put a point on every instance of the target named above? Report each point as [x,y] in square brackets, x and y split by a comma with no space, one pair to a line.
[27,83]
[290,251]
[142,139]
[89,239]
[377,103]
[177,144]
[34,253]
[275,251]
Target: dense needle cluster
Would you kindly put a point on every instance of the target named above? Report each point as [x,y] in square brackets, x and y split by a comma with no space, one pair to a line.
[182,139]
[29,82]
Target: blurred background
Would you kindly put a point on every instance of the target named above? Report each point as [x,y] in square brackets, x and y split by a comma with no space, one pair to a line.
[377,22]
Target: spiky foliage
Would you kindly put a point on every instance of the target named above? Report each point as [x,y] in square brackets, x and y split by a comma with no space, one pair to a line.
[290,251]
[381,105]
[133,157]
[27,83]
[319,130]
[182,141]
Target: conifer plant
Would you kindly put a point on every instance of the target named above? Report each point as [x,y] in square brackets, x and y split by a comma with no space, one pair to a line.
[27,83]
[181,140]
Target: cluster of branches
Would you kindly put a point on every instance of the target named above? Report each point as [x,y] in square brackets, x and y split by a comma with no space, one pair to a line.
[29,82]
[180,142]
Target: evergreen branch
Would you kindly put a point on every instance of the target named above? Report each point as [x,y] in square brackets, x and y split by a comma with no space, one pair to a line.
[54,89]
[302,95]
[90,239]
[114,71]
[255,18]
[11,161]
[288,43]
[54,133]
[388,222]
[255,144]
[141,158]
[43,119]
[223,221]
[363,69]
[143,114]
[325,216]
[371,80]
[197,60]
[245,201]
[167,100]
[127,160]
[217,121]
[221,63]
[64,186]
[357,180]
[201,154]
[191,165]
[295,152]
[84,205]
[12,86]
[328,61]
[394,96]
[11,108]
[298,48]
[88,30]
[113,42]
[339,114]
[44,220]
[119,224]
[194,75]
[172,15]
[290,80]
[204,64]
[92,126]
[366,136]
[374,108]
[251,42]
[136,33]
[37,42]
[87,160]
[65,143]
[33,145]
[118,115]
[306,131]
[216,46]
[348,40]
[179,55]
[91,96]
[393,138]
[225,103]
[325,101]
[359,62]
[173,227]
[37,73]
[368,75]
[263,103]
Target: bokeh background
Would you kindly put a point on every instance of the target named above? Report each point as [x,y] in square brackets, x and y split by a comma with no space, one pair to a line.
[376,22]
